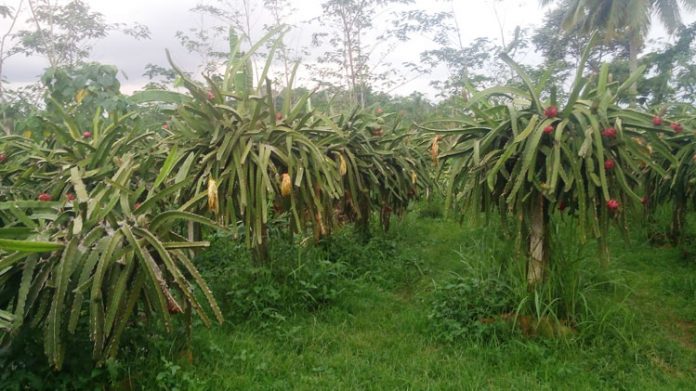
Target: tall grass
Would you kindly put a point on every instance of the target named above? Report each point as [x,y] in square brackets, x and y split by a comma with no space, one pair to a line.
[571,303]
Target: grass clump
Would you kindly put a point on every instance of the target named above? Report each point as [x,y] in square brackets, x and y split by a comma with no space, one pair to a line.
[474,308]
[296,279]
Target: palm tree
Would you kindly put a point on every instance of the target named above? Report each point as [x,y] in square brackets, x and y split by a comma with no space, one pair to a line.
[624,18]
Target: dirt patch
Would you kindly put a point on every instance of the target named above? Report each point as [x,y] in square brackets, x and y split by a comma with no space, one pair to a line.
[686,335]
[662,365]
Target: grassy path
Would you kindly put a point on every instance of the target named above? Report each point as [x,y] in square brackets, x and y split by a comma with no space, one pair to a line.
[376,336]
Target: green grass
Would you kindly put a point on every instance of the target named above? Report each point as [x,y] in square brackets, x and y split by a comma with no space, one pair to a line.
[376,333]
[378,338]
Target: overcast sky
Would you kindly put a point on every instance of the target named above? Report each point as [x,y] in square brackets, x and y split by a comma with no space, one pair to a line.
[477,18]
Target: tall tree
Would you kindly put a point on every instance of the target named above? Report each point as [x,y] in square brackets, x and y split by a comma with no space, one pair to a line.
[361,34]
[63,32]
[13,15]
[219,19]
[226,22]
[671,70]
[561,52]
[473,65]
[629,18]
[280,11]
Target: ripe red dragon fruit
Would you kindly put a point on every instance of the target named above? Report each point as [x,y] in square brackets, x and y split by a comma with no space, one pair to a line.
[551,111]
[613,204]
[70,196]
[657,120]
[609,164]
[548,130]
[45,197]
[87,134]
[677,127]
[609,133]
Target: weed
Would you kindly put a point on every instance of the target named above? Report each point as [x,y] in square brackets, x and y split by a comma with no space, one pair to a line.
[472,308]
[172,378]
[432,208]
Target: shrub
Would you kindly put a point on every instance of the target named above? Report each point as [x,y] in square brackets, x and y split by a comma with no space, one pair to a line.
[25,366]
[472,307]
[378,260]
[296,279]
[432,208]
